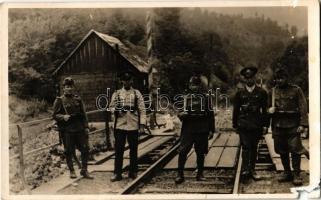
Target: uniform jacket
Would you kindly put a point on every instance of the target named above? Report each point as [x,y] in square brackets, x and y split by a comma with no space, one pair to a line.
[74,107]
[200,114]
[250,109]
[128,109]
[291,107]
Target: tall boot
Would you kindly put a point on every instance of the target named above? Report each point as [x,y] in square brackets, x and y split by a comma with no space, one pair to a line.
[296,163]
[253,157]
[70,165]
[84,161]
[200,167]
[287,175]
[245,175]
[180,174]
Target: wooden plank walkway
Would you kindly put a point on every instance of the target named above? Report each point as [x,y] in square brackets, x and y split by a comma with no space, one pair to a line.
[108,166]
[213,156]
[223,149]
[228,158]
[276,157]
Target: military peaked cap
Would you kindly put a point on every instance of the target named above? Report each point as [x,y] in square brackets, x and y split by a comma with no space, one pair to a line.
[281,72]
[195,80]
[249,72]
[126,75]
[68,81]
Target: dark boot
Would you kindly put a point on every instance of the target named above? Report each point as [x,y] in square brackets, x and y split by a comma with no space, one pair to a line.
[297,179]
[245,176]
[296,163]
[246,165]
[84,160]
[181,163]
[132,175]
[255,176]
[200,167]
[85,174]
[116,177]
[285,177]
[180,177]
[200,176]
[72,174]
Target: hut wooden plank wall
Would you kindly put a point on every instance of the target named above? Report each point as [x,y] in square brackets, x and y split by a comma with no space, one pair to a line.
[95,65]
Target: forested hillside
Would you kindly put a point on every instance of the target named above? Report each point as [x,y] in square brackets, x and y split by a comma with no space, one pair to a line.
[185,40]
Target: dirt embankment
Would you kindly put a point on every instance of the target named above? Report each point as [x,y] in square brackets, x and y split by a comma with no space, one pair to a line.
[42,166]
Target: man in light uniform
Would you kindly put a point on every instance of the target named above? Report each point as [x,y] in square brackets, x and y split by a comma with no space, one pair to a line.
[129,115]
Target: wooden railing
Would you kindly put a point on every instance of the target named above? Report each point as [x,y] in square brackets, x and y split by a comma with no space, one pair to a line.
[22,154]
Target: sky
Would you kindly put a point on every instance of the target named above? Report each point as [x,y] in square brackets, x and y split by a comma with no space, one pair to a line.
[297,16]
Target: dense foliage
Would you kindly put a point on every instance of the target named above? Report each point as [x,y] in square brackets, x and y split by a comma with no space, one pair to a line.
[185,40]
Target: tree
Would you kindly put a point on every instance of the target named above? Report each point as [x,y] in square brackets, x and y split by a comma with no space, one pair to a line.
[295,60]
[294,31]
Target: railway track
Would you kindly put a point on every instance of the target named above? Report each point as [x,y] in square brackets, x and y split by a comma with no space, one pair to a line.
[157,180]
[150,150]
[157,174]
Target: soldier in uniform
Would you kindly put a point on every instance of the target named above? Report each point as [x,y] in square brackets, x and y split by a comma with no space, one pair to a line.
[70,114]
[198,126]
[129,115]
[289,117]
[250,120]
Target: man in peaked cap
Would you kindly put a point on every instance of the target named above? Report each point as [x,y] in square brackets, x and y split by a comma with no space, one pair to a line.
[70,114]
[250,120]
[129,115]
[289,118]
[198,126]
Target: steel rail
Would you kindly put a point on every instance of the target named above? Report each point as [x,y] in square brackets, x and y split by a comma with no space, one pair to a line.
[238,174]
[133,186]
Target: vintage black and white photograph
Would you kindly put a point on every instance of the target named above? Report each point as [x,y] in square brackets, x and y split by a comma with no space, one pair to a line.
[202,100]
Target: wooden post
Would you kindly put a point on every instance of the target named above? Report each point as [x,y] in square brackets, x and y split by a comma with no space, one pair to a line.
[273,97]
[107,119]
[21,159]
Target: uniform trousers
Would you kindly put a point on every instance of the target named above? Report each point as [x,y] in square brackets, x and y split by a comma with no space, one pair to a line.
[200,143]
[120,141]
[286,141]
[249,142]
[73,140]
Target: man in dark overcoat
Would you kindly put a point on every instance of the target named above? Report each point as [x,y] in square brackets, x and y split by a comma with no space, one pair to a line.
[250,120]
[198,126]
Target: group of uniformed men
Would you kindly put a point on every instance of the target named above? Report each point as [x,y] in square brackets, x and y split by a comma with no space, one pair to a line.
[254,110]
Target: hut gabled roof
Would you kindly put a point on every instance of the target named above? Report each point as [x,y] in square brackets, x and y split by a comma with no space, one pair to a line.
[126,51]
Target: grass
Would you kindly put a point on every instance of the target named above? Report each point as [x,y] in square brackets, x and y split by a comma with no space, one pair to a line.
[21,110]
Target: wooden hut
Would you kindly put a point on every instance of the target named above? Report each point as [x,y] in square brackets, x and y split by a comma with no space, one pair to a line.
[96,63]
